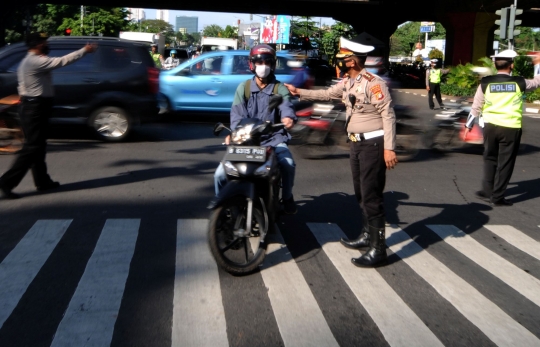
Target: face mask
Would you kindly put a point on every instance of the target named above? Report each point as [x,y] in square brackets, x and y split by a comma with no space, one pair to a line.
[262,71]
[342,65]
[45,50]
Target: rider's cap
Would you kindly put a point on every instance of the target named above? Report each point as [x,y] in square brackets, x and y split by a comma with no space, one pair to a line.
[505,55]
[349,48]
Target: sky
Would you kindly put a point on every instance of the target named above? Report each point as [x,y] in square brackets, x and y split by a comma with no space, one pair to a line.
[221,18]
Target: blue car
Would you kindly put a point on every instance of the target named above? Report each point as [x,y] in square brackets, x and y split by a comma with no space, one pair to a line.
[208,82]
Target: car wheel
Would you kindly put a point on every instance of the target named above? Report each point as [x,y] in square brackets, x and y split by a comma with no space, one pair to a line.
[164,104]
[110,123]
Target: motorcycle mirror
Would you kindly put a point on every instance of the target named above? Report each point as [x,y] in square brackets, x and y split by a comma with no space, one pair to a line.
[352,99]
[218,127]
[275,101]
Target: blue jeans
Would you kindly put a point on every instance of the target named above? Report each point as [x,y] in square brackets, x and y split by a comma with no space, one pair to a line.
[286,165]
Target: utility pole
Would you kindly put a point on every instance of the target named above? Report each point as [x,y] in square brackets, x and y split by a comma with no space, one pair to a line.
[82,18]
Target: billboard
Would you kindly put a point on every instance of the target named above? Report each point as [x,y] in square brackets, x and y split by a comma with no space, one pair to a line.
[276,29]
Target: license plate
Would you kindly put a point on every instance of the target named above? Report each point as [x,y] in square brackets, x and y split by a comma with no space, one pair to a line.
[245,153]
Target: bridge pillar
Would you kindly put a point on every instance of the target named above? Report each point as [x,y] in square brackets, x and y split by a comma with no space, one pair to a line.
[469,36]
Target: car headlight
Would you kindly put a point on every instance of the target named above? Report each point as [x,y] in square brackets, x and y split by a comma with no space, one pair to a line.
[230,169]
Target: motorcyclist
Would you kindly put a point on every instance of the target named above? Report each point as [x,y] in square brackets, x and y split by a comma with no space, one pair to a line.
[172,61]
[253,103]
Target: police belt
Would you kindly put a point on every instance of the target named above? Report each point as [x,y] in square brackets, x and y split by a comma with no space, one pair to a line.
[365,136]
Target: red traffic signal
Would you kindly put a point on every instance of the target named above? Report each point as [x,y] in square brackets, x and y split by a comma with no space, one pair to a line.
[67,32]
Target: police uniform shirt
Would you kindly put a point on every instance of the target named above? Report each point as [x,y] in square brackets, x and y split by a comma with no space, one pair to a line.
[479,98]
[372,110]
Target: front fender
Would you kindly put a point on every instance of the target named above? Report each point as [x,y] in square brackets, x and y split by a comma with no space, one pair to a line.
[233,188]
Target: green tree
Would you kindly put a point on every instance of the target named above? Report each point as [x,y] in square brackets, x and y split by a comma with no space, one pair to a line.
[195,38]
[212,30]
[410,33]
[436,54]
[230,32]
[304,27]
[330,39]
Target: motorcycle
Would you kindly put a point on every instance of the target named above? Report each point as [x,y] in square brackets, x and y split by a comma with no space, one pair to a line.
[11,134]
[449,131]
[246,208]
[320,131]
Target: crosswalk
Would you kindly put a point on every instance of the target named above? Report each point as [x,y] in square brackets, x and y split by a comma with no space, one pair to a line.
[200,316]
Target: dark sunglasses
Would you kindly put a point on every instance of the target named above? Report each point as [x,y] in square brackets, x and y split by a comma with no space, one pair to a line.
[265,61]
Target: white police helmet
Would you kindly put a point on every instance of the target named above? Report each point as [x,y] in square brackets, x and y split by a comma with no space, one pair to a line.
[505,55]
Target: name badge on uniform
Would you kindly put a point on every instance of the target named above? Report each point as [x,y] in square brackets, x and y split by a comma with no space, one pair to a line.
[502,88]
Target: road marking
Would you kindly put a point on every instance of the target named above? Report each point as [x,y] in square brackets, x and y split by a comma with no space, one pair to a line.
[517,239]
[531,110]
[90,317]
[423,95]
[298,316]
[23,263]
[397,322]
[488,317]
[198,313]
[525,284]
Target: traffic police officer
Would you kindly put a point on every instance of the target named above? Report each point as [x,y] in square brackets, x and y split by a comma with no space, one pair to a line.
[499,98]
[433,83]
[371,127]
[156,57]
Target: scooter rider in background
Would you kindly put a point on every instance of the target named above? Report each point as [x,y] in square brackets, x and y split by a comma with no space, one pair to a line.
[499,98]
[172,61]
[251,100]
[371,127]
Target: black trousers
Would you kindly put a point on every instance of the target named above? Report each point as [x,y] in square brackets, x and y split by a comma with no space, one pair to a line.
[434,88]
[501,146]
[34,114]
[369,175]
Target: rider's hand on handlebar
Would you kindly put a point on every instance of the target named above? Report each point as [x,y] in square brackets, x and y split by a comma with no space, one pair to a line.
[292,89]
[287,122]
[228,140]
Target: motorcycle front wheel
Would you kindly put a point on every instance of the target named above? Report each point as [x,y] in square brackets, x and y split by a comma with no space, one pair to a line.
[407,146]
[235,252]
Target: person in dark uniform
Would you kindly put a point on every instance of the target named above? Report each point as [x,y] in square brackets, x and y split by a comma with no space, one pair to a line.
[36,92]
[499,99]
[371,127]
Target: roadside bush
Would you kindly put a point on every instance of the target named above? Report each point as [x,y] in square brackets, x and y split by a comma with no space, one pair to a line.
[449,89]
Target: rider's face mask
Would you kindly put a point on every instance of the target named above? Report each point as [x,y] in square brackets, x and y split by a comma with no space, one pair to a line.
[262,71]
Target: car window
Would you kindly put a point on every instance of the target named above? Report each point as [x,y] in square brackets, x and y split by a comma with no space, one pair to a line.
[281,66]
[207,66]
[12,62]
[86,63]
[240,65]
[115,58]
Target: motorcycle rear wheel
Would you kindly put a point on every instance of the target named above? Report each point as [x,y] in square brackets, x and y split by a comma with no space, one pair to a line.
[407,146]
[237,255]
[11,136]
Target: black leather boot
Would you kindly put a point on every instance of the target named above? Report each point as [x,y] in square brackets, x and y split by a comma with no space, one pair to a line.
[362,241]
[376,255]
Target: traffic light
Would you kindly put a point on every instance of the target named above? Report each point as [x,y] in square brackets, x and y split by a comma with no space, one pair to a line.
[503,22]
[67,32]
[513,22]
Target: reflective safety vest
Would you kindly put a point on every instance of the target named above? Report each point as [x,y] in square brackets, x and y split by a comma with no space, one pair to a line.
[155,57]
[503,100]
[435,75]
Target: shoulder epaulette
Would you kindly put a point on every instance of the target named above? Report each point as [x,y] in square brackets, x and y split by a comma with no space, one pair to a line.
[368,76]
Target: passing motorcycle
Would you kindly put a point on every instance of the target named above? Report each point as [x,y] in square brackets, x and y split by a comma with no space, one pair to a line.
[246,208]
[11,134]
[449,131]
[320,131]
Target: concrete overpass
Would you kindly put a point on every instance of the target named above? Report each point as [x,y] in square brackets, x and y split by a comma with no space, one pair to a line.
[469,24]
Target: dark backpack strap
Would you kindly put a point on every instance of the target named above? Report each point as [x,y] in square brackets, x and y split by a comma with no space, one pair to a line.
[247,90]
[277,114]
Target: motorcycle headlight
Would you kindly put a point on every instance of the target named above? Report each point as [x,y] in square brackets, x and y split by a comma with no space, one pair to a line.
[241,135]
[230,169]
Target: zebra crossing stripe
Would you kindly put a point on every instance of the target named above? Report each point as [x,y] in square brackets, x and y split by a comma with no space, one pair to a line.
[488,317]
[397,322]
[525,284]
[22,264]
[298,316]
[198,313]
[517,239]
[92,311]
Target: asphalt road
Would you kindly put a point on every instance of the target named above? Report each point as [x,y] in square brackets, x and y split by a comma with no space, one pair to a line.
[117,255]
